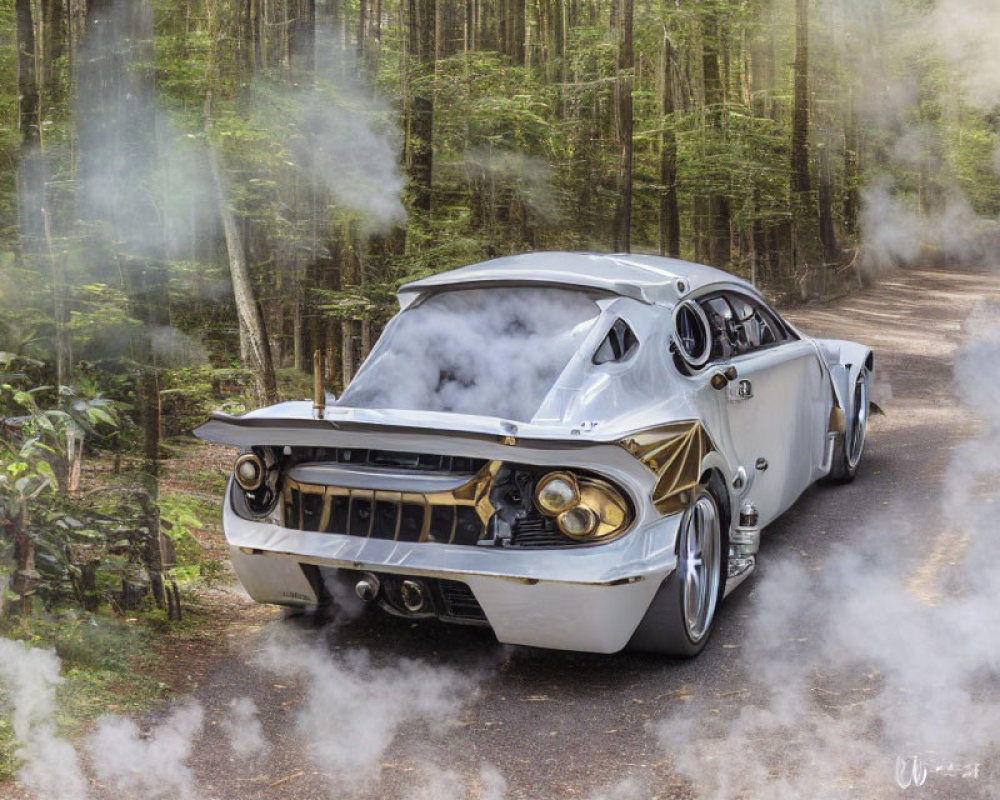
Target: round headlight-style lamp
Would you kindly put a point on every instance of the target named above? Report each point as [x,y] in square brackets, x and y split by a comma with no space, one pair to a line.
[579,522]
[557,492]
[249,472]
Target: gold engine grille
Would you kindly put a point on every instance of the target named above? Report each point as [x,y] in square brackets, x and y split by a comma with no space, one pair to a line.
[457,516]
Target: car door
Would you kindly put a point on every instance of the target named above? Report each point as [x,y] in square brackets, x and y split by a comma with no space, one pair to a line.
[777,405]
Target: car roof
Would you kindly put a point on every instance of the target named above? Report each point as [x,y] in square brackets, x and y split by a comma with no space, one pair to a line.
[648,279]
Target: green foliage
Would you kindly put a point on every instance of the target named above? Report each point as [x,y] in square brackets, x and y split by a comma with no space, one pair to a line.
[182,515]
[189,394]
[973,142]
[8,744]
[102,672]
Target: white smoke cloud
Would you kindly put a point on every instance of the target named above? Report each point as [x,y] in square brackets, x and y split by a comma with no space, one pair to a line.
[965,32]
[496,352]
[892,231]
[337,145]
[850,668]
[139,173]
[441,783]
[173,347]
[953,43]
[151,765]
[353,709]
[344,138]
[897,235]
[629,788]
[916,147]
[492,785]
[28,678]
[246,734]
[529,175]
[121,757]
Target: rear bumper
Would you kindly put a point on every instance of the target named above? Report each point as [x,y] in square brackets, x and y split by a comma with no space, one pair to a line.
[586,598]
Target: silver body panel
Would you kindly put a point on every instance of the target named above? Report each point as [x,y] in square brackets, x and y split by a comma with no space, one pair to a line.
[770,431]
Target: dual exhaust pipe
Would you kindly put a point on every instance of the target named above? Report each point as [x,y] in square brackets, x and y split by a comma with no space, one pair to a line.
[411,594]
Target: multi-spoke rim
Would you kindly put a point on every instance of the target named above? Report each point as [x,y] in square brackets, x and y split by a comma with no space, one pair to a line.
[699,567]
[860,428]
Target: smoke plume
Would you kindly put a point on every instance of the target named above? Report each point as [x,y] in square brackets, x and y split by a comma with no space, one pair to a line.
[336,143]
[153,765]
[246,735]
[28,680]
[885,651]
[446,354]
[341,135]
[353,708]
[530,176]
[955,43]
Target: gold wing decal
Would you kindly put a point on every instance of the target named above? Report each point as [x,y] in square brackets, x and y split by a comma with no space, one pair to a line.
[674,454]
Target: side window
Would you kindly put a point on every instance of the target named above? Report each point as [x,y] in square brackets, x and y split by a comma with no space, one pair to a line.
[756,327]
[752,329]
[722,323]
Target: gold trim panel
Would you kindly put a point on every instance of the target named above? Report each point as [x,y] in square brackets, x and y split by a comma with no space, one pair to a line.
[674,454]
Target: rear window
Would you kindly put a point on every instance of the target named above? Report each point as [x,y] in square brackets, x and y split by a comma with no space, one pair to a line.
[494,352]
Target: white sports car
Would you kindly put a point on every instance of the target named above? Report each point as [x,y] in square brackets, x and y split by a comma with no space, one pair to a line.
[577,450]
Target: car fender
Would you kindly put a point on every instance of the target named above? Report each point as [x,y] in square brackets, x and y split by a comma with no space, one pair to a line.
[845,360]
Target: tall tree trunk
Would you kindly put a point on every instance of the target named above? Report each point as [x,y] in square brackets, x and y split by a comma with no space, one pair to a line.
[622,233]
[350,331]
[827,232]
[60,315]
[717,222]
[420,142]
[800,101]
[247,310]
[36,232]
[362,43]
[806,244]
[31,178]
[255,33]
[516,11]
[53,30]
[246,304]
[24,557]
[670,226]
[763,58]
[852,200]
[302,41]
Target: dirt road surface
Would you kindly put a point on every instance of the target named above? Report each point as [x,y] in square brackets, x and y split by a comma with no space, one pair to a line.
[527,723]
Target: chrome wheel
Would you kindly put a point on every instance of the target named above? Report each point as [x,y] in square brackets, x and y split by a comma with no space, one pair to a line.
[699,566]
[859,428]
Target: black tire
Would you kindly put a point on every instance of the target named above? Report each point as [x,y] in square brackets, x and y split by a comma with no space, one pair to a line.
[672,626]
[850,447]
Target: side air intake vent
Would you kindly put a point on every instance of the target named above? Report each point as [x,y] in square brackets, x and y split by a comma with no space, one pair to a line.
[618,345]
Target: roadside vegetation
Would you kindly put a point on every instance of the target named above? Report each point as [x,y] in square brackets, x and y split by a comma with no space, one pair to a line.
[80,522]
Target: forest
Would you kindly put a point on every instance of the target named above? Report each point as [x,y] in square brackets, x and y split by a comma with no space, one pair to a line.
[198,195]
